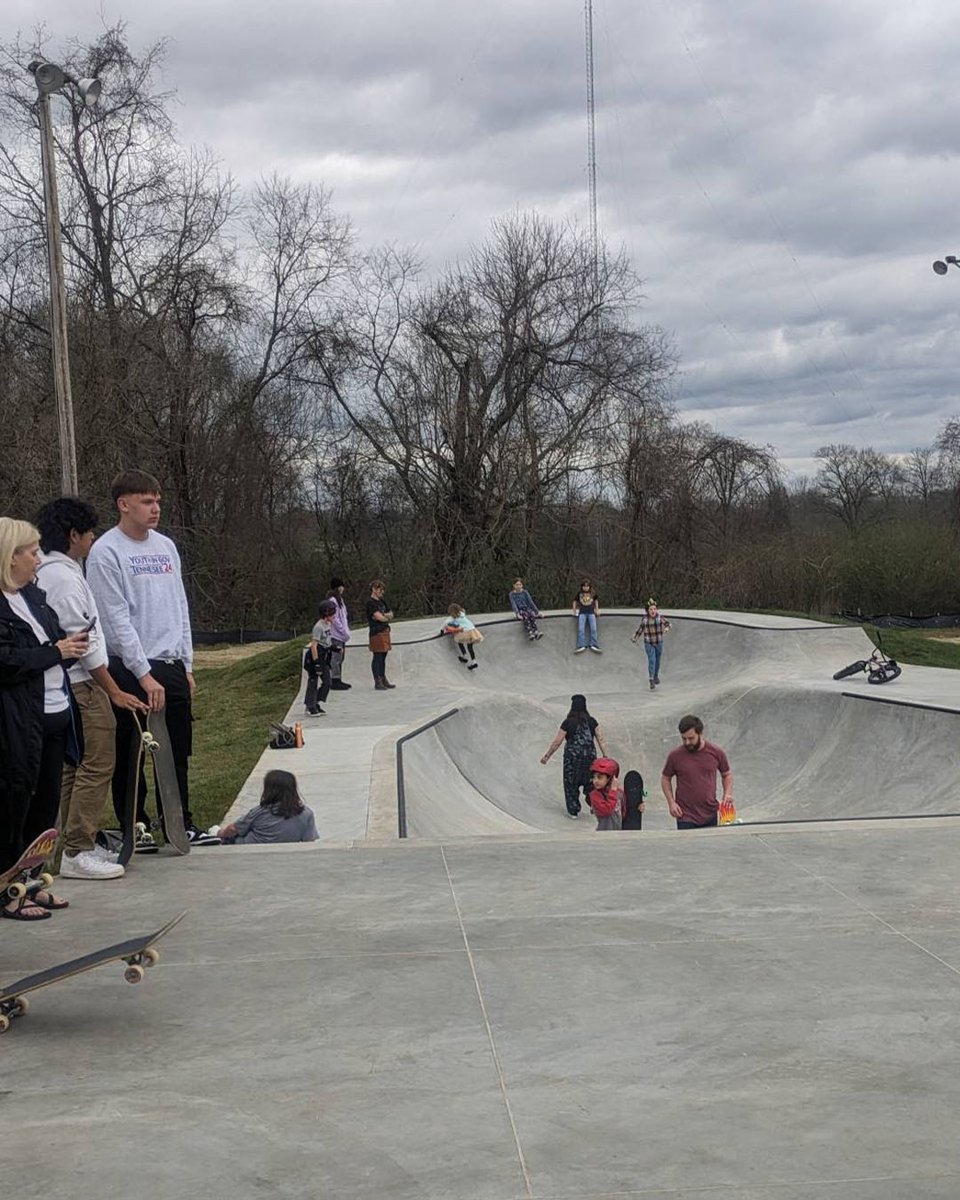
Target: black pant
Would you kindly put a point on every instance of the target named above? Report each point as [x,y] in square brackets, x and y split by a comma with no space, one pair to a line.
[179,717]
[44,805]
[337,651]
[576,776]
[318,673]
[692,825]
[378,664]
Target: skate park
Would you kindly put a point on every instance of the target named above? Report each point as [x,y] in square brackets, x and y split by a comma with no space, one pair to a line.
[505,1004]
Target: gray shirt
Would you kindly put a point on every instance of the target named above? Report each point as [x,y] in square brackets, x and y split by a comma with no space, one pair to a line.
[262,826]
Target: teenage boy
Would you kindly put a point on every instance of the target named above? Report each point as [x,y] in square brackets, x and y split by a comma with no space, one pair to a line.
[67,529]
[135,575]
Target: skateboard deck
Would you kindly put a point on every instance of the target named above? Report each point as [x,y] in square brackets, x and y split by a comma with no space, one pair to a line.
[15,881]
[157,743]
[633,791]
[137,953]
[132,795]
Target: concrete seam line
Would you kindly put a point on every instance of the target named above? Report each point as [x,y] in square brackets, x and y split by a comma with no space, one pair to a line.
[866,909]
[486,1021]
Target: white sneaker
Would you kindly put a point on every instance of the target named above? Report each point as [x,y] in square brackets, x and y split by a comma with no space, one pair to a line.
[104,853]
[579,649]
[87,865]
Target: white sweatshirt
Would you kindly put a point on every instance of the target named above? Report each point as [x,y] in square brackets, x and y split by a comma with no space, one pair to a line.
[139,591]
[70,597]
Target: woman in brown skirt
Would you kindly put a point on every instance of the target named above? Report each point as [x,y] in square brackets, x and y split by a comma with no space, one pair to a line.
[379,616]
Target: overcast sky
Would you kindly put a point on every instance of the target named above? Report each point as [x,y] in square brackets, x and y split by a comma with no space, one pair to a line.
[781,172]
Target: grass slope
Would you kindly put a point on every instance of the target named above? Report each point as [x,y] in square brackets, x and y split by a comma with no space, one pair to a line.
[232,712]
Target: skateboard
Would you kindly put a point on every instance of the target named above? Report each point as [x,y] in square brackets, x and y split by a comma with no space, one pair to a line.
[132,795]
[137,953]
[16,881]
[157,743]
[633,791]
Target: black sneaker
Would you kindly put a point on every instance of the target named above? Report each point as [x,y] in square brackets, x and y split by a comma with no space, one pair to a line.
[198,837]
[339,686]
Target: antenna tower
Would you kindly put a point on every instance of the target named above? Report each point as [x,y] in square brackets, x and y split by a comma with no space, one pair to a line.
[591,132]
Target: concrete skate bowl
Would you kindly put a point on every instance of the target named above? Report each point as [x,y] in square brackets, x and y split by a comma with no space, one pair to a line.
[797,754]
[703,653]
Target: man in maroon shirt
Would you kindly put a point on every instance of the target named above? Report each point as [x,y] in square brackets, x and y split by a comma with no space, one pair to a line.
[695,765]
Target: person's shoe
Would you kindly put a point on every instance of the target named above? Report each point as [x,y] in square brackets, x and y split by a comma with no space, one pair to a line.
[573,816]
[378,684]
[104,853]
[538,635]
[316,712]
[386,683]
[579,649]
[653,686]
[198,837]
[473,666]
[596,649]
[656,680]
[88,865]
[339,686]
[463,660]
[533,637]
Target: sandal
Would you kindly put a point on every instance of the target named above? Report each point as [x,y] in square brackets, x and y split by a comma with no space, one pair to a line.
[25,910]
[44,899]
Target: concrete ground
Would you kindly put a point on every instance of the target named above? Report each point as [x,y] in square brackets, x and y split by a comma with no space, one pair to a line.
[759,1013]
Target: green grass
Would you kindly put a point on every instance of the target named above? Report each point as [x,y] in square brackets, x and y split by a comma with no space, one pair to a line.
[232,712]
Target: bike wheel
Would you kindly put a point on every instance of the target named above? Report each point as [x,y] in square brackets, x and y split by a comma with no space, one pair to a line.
[885,673]
[853,669]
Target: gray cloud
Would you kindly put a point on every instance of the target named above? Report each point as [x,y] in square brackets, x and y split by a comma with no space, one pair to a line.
[780,173]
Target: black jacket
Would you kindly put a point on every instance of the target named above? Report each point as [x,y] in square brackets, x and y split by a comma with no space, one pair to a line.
[22,664]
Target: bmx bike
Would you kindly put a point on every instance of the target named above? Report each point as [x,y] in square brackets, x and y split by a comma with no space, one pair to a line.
[879,667]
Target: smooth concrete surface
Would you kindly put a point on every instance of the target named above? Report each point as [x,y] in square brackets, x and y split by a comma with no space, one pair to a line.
[741,1014]
[802,745]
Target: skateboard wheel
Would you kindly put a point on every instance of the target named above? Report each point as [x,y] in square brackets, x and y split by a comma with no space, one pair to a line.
[45,880]
[20,1007]
[151,957]
[17,891]
[4,1023]
[133,973]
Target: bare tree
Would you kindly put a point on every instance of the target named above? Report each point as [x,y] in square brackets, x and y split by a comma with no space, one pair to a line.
[848,483]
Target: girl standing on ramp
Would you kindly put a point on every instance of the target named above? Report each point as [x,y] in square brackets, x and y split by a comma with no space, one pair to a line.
[579,734]
[586,608]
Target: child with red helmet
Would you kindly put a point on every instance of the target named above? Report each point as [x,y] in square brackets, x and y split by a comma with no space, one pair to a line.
[606,798]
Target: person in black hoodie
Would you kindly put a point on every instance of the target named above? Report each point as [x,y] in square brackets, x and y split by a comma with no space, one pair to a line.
[38,723]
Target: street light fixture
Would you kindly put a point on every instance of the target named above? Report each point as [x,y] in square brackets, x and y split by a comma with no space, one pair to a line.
[941,268]
[50,78]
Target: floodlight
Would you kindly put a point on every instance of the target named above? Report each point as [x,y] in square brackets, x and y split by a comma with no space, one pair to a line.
[940,267]
[89,90]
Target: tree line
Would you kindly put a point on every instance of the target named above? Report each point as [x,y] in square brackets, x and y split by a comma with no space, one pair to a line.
[316,407]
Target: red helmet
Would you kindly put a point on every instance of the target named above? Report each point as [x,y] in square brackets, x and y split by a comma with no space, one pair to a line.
[605,766]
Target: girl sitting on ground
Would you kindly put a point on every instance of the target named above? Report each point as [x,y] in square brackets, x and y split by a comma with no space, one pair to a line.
[464,633]
[281,816]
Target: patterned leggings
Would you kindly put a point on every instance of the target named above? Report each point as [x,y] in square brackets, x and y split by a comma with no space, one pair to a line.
[576,775]
[529,620]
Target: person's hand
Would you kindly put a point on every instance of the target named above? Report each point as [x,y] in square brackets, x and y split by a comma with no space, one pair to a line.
[675,810]
[191,684]
[545,759]
[156,696]
[128,701]
[635,637]
[74,645]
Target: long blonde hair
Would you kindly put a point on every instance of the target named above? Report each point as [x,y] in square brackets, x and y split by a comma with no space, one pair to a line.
[14,536]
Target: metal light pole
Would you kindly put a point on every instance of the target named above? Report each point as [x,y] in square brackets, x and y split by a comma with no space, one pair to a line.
[50,78]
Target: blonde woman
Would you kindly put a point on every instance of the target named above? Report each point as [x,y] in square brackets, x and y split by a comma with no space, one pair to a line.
[38,729]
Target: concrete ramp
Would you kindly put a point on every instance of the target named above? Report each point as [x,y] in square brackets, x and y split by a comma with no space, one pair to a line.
[802,746]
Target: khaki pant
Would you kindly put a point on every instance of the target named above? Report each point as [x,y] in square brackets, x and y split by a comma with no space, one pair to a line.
[86,789]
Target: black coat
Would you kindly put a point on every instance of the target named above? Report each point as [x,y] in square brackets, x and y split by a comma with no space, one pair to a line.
[22,664]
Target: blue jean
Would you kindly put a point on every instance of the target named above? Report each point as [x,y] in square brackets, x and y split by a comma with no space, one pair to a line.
[654,653]
[585,620]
